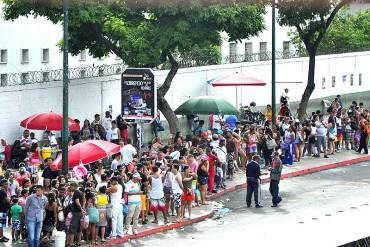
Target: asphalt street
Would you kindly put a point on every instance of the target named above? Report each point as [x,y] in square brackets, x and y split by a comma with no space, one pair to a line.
[329,208]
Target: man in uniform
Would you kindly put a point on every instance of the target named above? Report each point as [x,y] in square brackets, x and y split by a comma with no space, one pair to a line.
[253,173]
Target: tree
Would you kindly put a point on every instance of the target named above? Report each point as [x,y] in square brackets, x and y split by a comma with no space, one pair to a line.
[148,36]
[347,33]
[312,19]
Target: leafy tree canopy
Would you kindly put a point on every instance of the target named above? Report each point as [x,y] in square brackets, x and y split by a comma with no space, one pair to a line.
[142,36]
[347,33]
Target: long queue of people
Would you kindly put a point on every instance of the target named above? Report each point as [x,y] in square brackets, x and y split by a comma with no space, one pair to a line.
[165,181]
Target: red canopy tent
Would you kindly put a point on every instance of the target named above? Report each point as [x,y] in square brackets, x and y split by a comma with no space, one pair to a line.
[235,80]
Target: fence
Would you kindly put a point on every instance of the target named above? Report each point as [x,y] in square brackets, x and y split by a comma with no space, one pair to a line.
[33,77]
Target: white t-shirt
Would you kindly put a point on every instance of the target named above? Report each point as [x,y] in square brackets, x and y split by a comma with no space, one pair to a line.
[321,130]
[12,187]
[176,189]
[175,155]
[168,179]
[112,134]
[132,187]
[221,153]
[128,151]
[107,123]
[116,197]
[215,124]
[114,164]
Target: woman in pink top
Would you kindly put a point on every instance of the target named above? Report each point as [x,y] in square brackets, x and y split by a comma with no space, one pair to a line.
[193,163]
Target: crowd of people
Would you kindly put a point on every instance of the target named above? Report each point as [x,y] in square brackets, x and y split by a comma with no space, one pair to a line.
[166,180]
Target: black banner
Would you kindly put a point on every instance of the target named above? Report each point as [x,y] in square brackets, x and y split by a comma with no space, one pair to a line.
[139,95]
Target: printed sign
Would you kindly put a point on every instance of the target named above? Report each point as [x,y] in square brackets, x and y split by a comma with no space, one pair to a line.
[139,94]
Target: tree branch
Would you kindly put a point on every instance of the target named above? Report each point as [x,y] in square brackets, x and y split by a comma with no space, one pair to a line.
[113,47]
[302,36]
[330,20]
[174,68]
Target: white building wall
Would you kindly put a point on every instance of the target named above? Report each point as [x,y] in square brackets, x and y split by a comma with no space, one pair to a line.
[265,36]
[36,34]
[95,95]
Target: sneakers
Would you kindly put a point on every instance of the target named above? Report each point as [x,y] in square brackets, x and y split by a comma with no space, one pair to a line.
[259,206]
[4,239]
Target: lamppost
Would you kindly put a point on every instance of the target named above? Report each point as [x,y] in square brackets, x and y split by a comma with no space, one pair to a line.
[65,90]
[273,78]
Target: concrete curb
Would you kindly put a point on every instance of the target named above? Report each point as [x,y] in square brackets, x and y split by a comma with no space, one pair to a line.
[295,174]
[157,230]
[226,191]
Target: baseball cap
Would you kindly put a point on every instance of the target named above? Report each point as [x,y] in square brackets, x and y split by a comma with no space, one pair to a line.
[136,175]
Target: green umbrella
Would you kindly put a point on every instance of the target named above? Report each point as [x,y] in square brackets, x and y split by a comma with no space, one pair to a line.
[205,105]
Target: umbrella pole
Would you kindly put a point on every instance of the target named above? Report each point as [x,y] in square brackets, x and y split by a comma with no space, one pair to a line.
[236,97]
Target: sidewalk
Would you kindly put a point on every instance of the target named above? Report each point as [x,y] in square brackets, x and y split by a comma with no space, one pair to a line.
[306,166]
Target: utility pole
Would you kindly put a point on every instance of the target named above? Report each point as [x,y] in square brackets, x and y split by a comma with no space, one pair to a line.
[65,90]
[273,65]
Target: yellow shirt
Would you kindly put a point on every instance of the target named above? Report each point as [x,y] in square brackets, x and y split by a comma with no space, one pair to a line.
[268,115]
[102,200]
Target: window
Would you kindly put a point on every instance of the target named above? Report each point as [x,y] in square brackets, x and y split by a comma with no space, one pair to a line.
[344,78]
[3,80]
[101,71]
[232,52]
[25,56]
[351,82]
[333,81]
[83,55]
[248,51]
[286,49]
[118,71]
[323,83]
[360,79]
[83,73]
[263,51]
[3,56]
[25,78]
[45,76]
[45,56]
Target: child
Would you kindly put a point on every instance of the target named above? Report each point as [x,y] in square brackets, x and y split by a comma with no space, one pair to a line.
[219,176]
[15,212]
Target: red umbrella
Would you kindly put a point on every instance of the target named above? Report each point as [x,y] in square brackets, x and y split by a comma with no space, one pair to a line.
[87,152]
[48,121]
[235,80]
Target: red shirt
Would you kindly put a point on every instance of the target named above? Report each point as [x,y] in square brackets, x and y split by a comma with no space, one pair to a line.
[211,160]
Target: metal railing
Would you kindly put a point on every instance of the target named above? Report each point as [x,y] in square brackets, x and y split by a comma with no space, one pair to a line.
[33,77]
[256,57]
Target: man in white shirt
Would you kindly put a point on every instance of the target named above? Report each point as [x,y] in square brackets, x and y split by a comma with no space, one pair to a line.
[214,143]
[216,122]
[13,185]
[321,132]
[221,153]
[116,161]
[107,121]
[133,192]
[128,152]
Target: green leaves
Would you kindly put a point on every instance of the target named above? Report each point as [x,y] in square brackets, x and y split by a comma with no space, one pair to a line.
[140,35]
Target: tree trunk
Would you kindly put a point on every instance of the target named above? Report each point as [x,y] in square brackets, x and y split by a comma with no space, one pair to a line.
[310,85]
[168,113]
[163,105]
